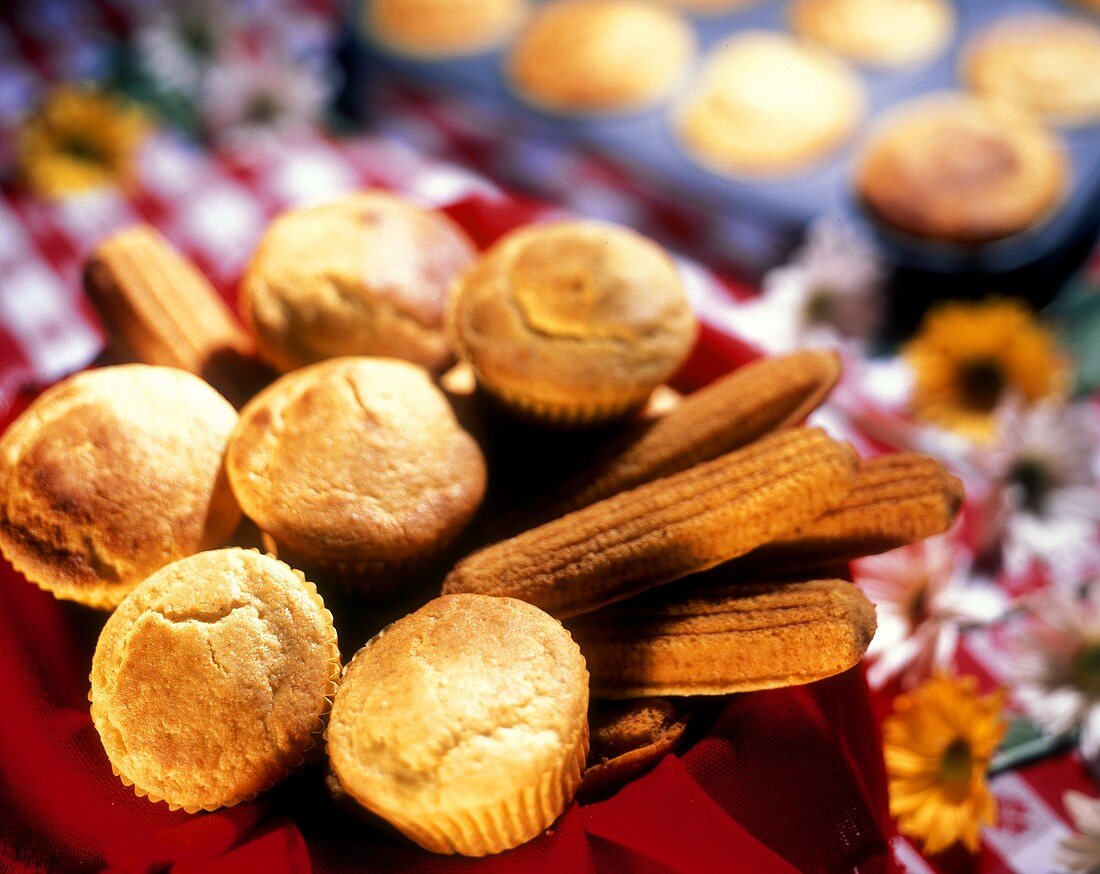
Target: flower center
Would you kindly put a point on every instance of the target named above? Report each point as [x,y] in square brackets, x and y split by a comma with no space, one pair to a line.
[196,37]
[1086,669]
[1034,480]
[84,149]
[821,307]
[957,762]
[918,606]
[264,109]
[982,380]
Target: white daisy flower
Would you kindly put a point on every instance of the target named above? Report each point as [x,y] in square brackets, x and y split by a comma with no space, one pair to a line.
[1056,666]
[178,42]
[1080,853]
[1043,502]
[260,100]
[830,293]
[923,601]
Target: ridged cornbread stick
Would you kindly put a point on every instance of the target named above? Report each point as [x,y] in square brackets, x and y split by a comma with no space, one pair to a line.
[666,529]
[716,640]
[763,396]
[156,304]
[897,499]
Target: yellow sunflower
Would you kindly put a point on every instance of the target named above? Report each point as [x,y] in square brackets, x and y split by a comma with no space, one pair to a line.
[78,139]
[938,743]
[967,357]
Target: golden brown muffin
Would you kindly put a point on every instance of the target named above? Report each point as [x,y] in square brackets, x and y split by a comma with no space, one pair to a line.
[769,104]
[442,28]
[464,724]
[212,679]
[888,33]
[357,466]
[574,322]
[1046,64]
[961,170]
[112,474]
[592,56]
[367,274]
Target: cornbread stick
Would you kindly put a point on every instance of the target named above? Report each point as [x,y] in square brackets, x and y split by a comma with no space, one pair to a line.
[627,738]
[761,397]
[897,499]
[156,305]
[665,529]
[716,640]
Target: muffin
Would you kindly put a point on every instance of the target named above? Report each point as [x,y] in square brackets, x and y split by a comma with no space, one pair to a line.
[356,469]
[1045,64]
[886,33]
[441,28]
[112,474]
[212,679]
[599,56]
[367,274]
[961,170]
[464,724]
[574,322]
[768,104]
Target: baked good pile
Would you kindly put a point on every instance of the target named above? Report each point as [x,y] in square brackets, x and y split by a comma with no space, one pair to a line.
[554,561]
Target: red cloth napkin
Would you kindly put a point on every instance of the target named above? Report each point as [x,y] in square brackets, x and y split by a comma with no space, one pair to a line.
[780,780]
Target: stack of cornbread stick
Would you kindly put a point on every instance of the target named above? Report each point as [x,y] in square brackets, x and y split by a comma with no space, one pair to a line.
[698,547]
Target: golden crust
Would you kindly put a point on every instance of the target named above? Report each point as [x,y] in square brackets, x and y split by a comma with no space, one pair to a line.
[583,56]
[112,474]
[628,738]
[213,679]
[572,321]
[356,460]
[889,33]
[464,724]
[1045,64]
[367,274]
[713,640]
[961,170]
[769,104]
[666,529]
[442,28]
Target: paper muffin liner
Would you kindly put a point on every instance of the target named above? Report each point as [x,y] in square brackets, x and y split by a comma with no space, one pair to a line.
[309,751]
[501,826]
[369,577]
[577,414]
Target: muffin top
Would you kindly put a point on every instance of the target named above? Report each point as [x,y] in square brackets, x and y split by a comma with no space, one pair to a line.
[355,459]
[600,55]
[1047,64]
[960,169]
[112,474]
[767,103]
[367,274]
[441,28]
[890,33]
[462,704]
[573,312]
[212,678]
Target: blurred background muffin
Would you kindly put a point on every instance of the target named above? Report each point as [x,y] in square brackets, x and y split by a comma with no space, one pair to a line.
[112,474]
[1046,64]
[356,469]
[959,169]
[714,7]
[573,323]
[888,33]
[442,28]
[766,103]
[367,274]
[588,56]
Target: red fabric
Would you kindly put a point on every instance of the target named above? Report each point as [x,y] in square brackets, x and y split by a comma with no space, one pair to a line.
[782,780]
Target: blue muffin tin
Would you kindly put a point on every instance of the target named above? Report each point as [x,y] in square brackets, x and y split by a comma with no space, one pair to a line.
[646,142]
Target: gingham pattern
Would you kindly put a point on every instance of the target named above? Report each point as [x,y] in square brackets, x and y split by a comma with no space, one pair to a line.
[213,207]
